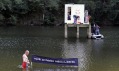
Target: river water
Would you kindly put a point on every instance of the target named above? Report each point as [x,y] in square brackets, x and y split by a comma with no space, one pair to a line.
[93,55]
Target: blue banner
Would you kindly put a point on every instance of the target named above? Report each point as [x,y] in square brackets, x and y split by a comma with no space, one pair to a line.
[56,61]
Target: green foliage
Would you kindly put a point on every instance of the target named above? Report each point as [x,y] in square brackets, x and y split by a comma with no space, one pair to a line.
[113,11]
[18,1]
[13,19]
[54,3]
[102,10]
[1,17]
[99,10]
[35,5]
[20,6]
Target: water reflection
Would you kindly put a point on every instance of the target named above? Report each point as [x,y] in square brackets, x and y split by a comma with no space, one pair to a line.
[56,69]
[78,49]
[93,55]
[97,46]
[26,69]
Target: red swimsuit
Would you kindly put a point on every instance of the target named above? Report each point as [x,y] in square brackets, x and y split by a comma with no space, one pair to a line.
[24,64]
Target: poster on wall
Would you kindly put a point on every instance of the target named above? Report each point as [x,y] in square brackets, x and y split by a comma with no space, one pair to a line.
[78,13]
[68,13]
[74,13]
[86,18]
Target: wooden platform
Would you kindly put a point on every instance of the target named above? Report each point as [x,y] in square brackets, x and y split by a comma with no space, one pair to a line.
[88,26]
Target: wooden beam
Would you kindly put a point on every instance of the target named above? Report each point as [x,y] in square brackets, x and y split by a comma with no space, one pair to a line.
[77,31]
[66,31]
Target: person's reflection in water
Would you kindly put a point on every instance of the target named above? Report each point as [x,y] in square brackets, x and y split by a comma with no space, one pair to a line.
[24,70]
[27,69]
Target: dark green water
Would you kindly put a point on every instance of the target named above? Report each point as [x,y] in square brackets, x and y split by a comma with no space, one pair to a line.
[93,55]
